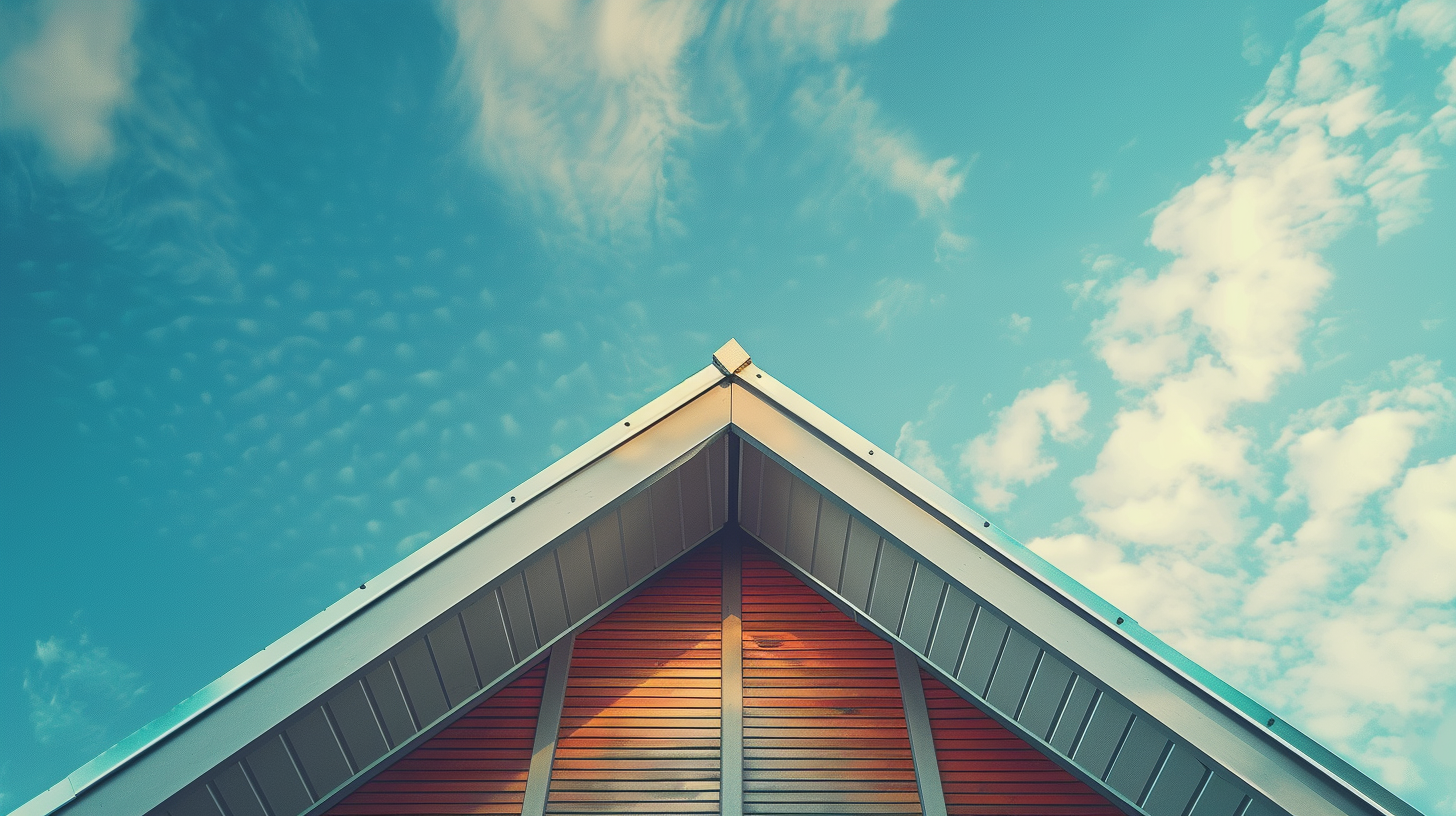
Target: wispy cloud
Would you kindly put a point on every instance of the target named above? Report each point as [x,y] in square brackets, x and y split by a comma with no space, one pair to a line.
[839,108]
[65,84]
[897,297]
[586,112]
[581,109]
[78,692]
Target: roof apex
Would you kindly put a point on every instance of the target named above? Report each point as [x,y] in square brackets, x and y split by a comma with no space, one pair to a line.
[731,358]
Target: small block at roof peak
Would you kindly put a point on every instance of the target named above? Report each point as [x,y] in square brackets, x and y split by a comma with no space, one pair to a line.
[731,358]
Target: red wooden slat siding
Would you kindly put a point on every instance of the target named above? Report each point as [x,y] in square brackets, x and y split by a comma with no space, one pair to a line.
[477,765]
[823,721]
[640,726]
[985,769]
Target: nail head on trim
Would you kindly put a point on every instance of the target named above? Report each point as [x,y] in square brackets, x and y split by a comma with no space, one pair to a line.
[513,500]
[1119,621]
[628,424]
[985,524]
[1271,722]
[361,586]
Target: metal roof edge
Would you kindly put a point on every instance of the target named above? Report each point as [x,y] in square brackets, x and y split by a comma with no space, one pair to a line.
[977,527]
[134,746]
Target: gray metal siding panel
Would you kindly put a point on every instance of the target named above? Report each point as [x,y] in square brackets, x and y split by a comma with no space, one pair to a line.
[1013,672]
[195,800]
[548,604]
[1048,688]
[803,523]
[1220,797]
[774,515]
[717,455]
[859,563]
[951,628]
[282,786]
[750,488]
[384,687]
[1133,767]
[237,791]
[452,656]
[1177,782]
[1263,807]
[988,634]
[891,585]
[1109,722]
[485,626]
[697,511]
[920,610]
[577,573]
[667,518]
[319,752]
[1073,715]
[829,543]
[421,682]
[605,537]
[357,724]
[518,615]
[637,537]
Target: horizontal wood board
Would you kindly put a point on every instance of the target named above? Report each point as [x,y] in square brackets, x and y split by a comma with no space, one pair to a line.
[640,722]
[824,723]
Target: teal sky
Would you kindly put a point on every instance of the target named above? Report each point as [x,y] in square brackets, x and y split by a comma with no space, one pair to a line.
[288,290]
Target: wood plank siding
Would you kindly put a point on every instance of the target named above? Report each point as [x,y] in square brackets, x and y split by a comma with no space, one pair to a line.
[824,726]
[823,722]
[985,769]
[477,765]
[640,721]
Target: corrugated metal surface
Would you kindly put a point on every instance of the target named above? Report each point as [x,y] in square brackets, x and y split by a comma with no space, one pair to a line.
[824,725]
[477,765]
[985,769]
[640,721]
[434,671]
[997,662]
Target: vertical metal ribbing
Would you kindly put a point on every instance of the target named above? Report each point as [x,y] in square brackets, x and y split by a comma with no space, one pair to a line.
[922,739]
[731,763]
[548,726]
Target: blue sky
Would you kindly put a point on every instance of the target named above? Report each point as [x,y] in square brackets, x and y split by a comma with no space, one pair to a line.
[287,290]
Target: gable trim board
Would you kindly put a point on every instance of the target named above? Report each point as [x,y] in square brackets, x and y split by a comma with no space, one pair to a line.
[918,530]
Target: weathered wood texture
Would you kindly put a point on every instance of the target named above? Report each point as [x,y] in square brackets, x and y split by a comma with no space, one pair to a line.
[985,769]
[824,726]
[477,765]
[640,726]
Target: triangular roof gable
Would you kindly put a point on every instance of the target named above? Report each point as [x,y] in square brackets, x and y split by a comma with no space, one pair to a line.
[636,725]
[1150,711]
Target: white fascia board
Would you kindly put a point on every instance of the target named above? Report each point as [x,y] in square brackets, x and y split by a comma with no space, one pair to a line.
[1078,624]
[266,688]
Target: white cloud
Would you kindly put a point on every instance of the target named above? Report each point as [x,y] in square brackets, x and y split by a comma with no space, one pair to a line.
[66,85]
[581,108]
[1020,325]
[77,691]
[1334,601]
[1010,454]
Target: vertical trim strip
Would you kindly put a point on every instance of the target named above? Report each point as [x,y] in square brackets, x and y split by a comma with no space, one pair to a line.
[548,726]
[730,790]
[922,739]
